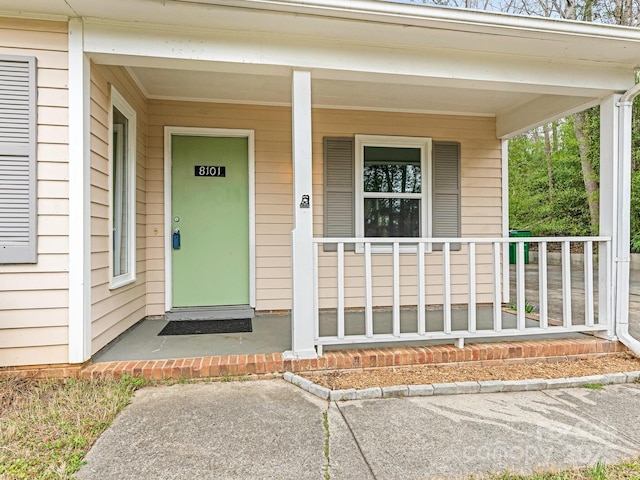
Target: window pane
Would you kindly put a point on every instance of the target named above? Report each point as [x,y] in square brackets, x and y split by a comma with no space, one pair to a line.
[391,217]
[391,169]
[120,195]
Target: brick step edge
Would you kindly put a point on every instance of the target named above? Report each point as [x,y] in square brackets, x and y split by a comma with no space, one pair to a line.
[457,388]
[482,354]
[498,353]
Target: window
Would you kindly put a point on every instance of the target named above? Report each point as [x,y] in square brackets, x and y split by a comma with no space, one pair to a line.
[18,160]
[405,196]
[123,203]
[392,186]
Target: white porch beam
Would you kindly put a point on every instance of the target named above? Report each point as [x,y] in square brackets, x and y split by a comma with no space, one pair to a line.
[608,209]
[79,208]
[542,110]
[341,59]
[302,253]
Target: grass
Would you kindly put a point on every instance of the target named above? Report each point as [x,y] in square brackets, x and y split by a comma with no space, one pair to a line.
[621,471]
[234,378]
[327,435]
[594,386]
[529,307]
[47,426]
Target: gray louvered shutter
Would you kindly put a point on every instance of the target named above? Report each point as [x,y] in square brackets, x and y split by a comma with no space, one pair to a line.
[446,192]
[339,199]
[17,159]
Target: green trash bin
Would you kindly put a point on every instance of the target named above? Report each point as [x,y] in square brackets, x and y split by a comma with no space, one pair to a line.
[513,247]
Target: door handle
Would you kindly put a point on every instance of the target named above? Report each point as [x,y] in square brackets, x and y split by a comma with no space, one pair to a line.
[176,239]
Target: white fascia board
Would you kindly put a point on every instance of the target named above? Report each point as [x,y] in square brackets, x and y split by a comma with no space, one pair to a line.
[329,57]
[419,15]
[504,32]
[538,112]
[176,12]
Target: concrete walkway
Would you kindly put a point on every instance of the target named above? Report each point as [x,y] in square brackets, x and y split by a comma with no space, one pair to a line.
[270,429]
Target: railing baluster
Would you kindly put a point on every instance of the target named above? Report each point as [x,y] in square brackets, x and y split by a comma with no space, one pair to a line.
[341,290]
[566,284]
[446,270]
[316,306]
[396,289]
[421,291]
[611,323]
[472,287]
[520,293]
[542,276]
[368,301]
[594,320]
[588,284]
[605,301]
[497,303]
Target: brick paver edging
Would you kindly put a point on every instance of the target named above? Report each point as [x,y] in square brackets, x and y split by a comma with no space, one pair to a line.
[481,354]
[457,388]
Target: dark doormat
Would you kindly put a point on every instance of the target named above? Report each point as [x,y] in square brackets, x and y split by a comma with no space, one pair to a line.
[195,327]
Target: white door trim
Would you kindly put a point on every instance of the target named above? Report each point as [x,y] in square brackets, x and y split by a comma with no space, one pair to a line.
[169,132]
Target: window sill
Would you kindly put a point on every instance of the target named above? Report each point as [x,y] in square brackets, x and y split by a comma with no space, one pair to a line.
[124,280]
[387,249]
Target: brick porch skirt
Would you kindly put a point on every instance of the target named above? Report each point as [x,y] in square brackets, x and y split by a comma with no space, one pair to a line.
[499,353]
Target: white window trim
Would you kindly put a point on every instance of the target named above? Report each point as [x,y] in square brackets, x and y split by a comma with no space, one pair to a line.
[425,144]
[118,101]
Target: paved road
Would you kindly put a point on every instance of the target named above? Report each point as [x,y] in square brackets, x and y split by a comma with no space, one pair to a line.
[270,429]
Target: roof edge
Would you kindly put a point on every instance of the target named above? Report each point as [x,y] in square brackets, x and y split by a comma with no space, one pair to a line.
[417,15]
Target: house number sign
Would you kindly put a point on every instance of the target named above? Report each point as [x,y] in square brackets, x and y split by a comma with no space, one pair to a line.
[210,171]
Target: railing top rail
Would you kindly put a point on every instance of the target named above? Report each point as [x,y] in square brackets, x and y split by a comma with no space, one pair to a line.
[387,240]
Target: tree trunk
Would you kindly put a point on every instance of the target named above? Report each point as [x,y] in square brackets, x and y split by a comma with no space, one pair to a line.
[588,173]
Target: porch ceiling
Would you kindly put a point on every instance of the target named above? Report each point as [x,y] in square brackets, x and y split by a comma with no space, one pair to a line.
[369,95]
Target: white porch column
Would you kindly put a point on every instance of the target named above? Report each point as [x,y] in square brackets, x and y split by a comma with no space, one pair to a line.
[506,287]
[622,248]
[79,205]
[609,198]
[302,325]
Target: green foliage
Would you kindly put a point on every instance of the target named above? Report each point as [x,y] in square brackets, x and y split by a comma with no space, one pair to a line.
[532,204]
[563,210]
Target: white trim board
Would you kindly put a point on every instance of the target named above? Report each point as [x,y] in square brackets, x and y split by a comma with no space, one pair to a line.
[79,198]
[169,132]
[120,103]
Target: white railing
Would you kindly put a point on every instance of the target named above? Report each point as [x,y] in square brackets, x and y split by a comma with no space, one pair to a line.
[385,254]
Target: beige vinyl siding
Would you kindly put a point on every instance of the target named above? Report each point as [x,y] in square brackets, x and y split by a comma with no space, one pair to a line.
[273,185]
[481,196]
[34,298]
[114,310]
[481,201]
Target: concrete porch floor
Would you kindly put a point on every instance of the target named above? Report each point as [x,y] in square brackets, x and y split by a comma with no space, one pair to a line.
[272,333]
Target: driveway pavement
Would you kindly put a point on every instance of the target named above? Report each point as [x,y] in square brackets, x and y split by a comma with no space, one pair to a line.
[270,429]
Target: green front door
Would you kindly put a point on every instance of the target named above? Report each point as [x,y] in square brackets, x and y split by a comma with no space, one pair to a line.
[211,212]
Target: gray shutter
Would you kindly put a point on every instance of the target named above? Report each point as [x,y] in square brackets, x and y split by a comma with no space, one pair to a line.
[339,208]
[17,159]
[446,192]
